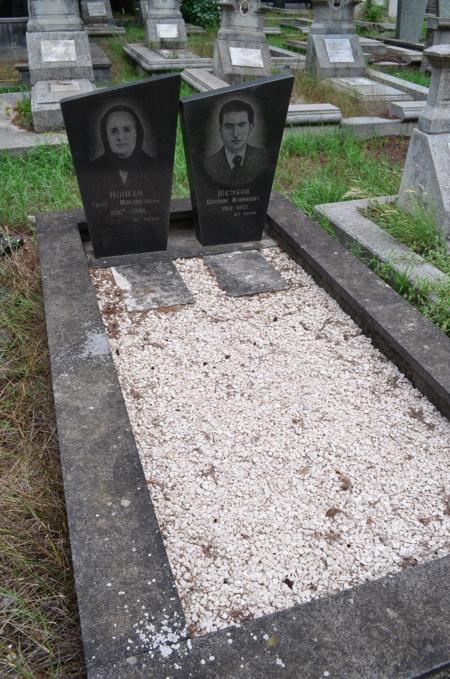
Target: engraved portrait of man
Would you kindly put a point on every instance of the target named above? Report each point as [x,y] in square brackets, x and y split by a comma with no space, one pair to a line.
[237,161]
[124,160]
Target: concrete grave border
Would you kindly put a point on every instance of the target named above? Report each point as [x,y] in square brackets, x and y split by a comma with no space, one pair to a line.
[396,627]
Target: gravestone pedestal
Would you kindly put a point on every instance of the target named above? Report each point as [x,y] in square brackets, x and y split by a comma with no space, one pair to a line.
[241,51]
[164,24]
[333,49]
[59,59]
[98,17]
[427,167]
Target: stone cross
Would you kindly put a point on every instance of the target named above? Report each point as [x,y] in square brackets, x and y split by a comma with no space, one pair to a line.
[427,167]
[164,24]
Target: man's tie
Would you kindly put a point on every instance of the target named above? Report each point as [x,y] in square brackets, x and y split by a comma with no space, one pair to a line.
[237,162]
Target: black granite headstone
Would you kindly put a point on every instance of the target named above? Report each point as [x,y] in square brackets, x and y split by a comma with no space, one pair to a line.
[232,138]
[123,143]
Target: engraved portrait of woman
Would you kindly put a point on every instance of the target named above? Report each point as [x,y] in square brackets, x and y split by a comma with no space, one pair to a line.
[124,160]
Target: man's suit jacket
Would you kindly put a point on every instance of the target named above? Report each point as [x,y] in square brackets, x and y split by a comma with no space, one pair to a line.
[255,165]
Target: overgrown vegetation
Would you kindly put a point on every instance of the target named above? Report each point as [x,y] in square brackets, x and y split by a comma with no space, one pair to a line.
[413,75]
[373,11]
[201,12]
[22,113]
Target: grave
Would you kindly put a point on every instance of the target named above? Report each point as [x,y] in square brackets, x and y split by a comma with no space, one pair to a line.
[165,28]
[333,46]
[59,59]
[123,155]
[438,30]
[241,49]
[98,17]
[232,139]
[427,167]
[334,52]
[166,40]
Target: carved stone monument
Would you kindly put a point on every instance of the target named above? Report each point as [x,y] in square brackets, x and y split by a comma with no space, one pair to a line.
[232,137]
[438,28]
[241,50]
[123,143]
[59,59]
[333,48]
[164,24]
[410,15]
[95,12]
[427,167]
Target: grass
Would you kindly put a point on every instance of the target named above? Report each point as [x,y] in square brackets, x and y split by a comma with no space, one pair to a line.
[410,74]
[39,631]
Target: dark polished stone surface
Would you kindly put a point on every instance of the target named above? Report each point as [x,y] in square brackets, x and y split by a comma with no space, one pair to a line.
[151,285]
[245,273]
[123,141]
[232,139]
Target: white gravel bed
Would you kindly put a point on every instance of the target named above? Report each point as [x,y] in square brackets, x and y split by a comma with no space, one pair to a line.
[286,457]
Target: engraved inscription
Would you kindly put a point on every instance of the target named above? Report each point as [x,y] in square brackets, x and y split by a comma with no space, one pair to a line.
[58,50]
[339,50]
[167,30]
[244,56]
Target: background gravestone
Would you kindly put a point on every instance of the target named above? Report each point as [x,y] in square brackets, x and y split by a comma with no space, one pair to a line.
[333,49]
[59,59]
[95,12]
[438,28]
[164,24]
[232,138]
[241,49]
[123,152]
[426,173]
[410,15]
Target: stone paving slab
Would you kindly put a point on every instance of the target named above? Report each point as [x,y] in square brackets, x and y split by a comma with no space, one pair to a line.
[14,139]
[244,273]
[151,285]
[397,627]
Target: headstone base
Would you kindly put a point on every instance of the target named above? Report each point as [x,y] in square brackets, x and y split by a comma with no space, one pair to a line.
[425,177]
[59,56]
[335,56]
[45,98]
[154,61]
[236,61]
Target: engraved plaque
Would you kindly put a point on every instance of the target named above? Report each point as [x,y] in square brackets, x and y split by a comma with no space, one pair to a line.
[96,9]
[244,56]
[339,50]
[58,50]
[64,86]
[167,30]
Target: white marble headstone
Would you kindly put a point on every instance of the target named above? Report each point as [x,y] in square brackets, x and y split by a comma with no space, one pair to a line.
[167,30]
[96,9]
[339,50]
[58,50]
[245,56]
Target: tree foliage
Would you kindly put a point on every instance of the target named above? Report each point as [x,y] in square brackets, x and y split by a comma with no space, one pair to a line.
[201,12]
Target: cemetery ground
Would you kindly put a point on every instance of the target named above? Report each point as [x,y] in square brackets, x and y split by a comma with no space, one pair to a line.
[41,636]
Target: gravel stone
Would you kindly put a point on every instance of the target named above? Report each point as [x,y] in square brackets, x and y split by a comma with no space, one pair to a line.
[286,457]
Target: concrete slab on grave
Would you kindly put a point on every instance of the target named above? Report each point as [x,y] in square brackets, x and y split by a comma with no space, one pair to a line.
[244,273]
[104,30]
[415,92]
[45,98]
[353,228]
[282,58]
[14,139]
[407,110]
[395,627]
[146,287]
[153,61]
[370,92]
